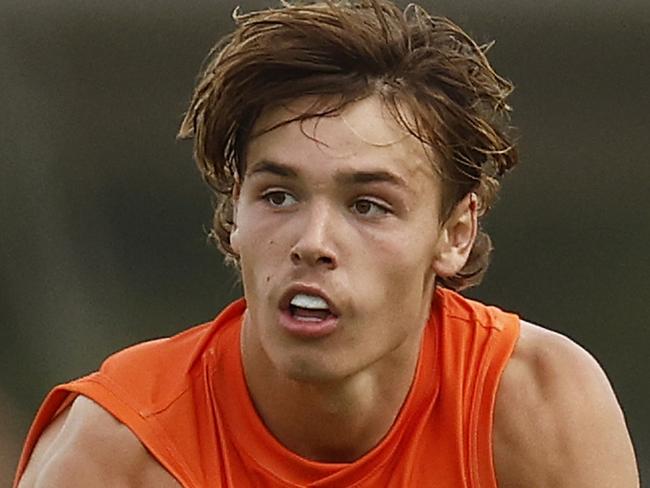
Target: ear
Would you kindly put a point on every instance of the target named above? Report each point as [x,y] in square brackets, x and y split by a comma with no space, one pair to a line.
[235,239]
[457,237]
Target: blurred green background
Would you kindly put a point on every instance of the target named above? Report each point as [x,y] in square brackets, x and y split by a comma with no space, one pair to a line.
[103,215]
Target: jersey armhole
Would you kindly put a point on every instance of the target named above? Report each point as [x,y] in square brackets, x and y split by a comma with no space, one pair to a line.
[105,393]
[500,350]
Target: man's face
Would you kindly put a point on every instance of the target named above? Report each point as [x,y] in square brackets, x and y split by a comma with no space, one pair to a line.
[337,229]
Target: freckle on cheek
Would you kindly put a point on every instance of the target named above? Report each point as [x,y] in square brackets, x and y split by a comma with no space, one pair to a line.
[268,278]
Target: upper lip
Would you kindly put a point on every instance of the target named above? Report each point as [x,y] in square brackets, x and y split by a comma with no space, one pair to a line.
[307,289]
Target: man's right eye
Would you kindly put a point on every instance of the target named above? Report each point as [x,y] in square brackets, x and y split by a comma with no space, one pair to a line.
[280,199]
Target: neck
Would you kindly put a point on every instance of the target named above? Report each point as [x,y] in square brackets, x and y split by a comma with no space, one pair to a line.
[334,421]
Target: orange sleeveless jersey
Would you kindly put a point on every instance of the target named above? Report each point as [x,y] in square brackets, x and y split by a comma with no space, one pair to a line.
[186,399]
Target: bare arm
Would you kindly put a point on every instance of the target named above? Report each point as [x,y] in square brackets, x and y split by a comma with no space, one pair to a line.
[557,421]
[86,446]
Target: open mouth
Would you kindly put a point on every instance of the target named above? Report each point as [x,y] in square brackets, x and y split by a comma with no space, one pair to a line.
[307,313]
[309,308]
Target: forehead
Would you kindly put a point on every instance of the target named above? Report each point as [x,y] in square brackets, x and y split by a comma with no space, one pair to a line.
[363,133]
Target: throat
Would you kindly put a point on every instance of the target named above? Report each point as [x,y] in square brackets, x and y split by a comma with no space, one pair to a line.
[334,419]
[336,424]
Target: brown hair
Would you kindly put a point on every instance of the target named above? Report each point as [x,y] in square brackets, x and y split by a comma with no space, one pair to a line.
[341,52]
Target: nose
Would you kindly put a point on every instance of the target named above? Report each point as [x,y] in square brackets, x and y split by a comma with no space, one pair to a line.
[315,244]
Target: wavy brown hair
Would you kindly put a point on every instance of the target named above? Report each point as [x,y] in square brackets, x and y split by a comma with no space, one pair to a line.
[435,80]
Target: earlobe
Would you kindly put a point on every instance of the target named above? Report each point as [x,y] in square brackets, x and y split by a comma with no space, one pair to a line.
[457,237]
[234,239]
[235,242]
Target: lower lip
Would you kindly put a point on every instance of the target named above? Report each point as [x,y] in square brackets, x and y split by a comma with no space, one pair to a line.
[307,329]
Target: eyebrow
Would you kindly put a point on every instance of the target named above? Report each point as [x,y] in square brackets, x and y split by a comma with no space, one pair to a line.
[272,167]
[379,176]
[344,177]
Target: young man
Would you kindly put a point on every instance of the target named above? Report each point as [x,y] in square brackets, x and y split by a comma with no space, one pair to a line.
[352,149]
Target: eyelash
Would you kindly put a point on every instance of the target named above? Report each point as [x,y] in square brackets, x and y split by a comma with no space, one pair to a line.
[268,196]
[382,209]
[376,209]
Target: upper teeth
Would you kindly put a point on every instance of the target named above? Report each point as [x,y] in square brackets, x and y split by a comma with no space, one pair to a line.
[308,301]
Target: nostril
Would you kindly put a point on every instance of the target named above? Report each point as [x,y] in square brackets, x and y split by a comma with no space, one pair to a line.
[325,260]
[298,257]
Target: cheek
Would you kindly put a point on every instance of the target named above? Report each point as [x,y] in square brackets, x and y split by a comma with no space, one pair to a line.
[259,254]
[402,266]
[400,250]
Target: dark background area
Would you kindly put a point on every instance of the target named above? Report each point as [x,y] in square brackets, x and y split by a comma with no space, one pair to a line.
[103,215]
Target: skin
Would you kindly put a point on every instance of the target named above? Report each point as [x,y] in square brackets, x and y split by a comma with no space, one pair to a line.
[86,446]
[556,410]
[349,184]
[348,206]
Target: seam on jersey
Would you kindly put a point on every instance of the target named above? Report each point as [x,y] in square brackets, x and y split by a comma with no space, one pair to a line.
[496,354]
[155,411]
[155,426]
[475,320]
[215,421]
[476,411]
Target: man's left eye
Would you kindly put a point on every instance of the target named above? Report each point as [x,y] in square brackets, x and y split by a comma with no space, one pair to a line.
[369,208]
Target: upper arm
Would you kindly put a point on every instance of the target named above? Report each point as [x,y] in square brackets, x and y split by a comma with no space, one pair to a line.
[86,446]
[557,421]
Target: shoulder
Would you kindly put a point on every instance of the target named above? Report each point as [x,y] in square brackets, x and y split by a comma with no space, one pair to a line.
[183,349]
[87,446]
[557,421]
